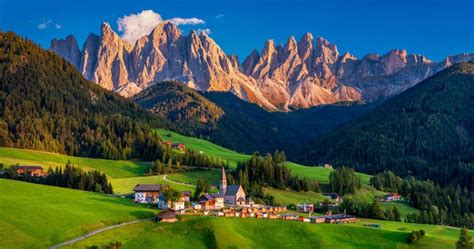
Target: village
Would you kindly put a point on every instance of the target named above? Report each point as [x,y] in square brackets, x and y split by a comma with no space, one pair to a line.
[231,201]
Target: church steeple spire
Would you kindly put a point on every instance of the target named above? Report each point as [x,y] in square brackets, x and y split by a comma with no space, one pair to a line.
[223,183]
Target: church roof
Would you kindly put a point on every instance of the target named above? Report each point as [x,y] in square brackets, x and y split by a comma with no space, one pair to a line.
[232,189]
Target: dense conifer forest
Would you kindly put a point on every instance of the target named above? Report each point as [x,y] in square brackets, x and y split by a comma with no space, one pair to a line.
[426,132]
[45,104]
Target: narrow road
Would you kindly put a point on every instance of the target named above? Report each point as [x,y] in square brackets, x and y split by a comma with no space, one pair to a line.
[180,183]
[70,242]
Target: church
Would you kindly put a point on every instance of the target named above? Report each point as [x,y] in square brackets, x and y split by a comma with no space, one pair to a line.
[233,194]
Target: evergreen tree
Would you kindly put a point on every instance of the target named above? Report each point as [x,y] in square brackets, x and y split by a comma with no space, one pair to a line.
[464,241]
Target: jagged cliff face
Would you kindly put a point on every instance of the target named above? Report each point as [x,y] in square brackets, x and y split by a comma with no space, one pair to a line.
[299,74]
[164,54]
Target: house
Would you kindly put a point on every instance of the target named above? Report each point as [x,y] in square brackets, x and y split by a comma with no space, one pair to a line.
[332,196]
[178,146]
[187,196]
[328,166]
[233,194]
[340,218]
[167,216]
[167,143]
[29,170]
[305,207]
[392,197]
[211,202]
[317,219]
[289,216]
[177,205]
[147,193]
[197,206]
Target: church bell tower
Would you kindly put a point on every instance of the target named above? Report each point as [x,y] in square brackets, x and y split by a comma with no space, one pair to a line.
[223,183]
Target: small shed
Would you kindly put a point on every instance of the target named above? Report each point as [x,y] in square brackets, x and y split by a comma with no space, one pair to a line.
[167,216]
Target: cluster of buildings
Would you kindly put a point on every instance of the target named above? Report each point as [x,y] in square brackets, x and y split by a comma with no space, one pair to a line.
[29,170]
[229,195]
[392,197]
[176,146]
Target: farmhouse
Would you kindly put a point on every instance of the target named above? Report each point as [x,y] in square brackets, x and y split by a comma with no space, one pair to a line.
[305,207]
[332,196]
[392,197]
[233,194]
[340,218]
[30,170]
[187,196]
[212,201]
[178,146]
[167,216]
[147,193]
[164,203]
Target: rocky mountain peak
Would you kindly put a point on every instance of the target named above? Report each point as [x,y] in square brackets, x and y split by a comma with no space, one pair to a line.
[305,47]
[68,49]
[297,75]
[325,52]
[291,44]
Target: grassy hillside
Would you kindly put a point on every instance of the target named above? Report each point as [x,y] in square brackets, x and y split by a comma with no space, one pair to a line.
[38,216]
[210,232]
[113,168]
[206,147]
[123,174]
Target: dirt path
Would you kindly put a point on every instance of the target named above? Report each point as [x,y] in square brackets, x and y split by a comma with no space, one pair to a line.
[180,183]
[70,242]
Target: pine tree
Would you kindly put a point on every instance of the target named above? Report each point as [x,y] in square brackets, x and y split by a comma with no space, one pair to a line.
[464,241]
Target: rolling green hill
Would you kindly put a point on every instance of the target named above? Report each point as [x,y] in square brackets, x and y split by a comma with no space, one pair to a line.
[210,232]
[38,216]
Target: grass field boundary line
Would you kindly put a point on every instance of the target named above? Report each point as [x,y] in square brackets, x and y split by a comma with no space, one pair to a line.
[70,242]
[175,182]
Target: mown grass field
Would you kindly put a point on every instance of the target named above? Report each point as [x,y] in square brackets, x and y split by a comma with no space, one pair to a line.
[206,147]
[39,216]
[402,207]
[113,168]
[285,197]
[212,232]
[212,176]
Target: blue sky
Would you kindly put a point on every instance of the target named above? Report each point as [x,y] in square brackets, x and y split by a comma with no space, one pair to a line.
[435,28]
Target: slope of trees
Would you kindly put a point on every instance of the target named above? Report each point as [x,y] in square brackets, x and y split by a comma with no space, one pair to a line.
[344,181]
[69,177]
[268,171]
[45,104]
[426,131]
[182,106]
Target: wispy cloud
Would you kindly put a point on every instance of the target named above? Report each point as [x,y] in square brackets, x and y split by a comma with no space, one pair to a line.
[134,26]
[219,16]
[44,24]
[205,31]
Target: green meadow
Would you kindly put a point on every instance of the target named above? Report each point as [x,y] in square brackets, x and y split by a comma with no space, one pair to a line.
[113,168]
[212,232]
[39,216]
[206,147]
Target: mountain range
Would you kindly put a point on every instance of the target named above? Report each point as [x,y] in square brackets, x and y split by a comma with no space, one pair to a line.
[298,74]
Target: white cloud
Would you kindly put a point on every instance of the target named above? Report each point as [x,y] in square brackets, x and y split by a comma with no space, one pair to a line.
[44,24]
[134,26]
[186,21]
[219,16]
[47,23]
[205,31]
